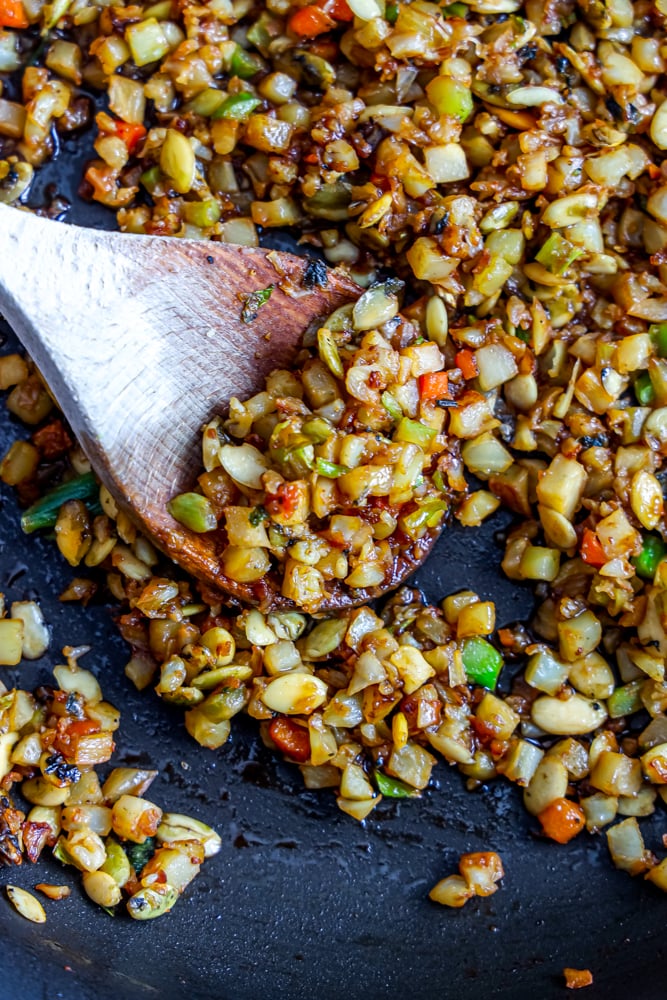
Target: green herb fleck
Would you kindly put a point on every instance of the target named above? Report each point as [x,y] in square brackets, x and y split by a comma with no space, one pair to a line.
[140,854]
[253,303]
[257,515]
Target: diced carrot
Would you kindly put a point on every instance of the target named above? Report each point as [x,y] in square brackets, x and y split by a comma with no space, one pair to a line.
[12,14]
[434,385]
[130,133]
[290,738]
[577,979]
[70,731]
[284,501]
[307,22]
[591,549]
[338,9]
[562,820]
[467,362]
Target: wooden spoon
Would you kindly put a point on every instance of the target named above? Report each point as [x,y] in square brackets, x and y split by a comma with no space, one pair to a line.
[141,340]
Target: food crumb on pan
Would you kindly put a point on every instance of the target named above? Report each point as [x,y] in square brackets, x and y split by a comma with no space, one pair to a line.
[479,874]
[577,979]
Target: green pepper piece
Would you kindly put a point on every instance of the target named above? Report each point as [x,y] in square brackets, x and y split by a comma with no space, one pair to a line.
[482,662]
[297,460]
[393,788]
[392,406]
[317,429]
[329,469]
[151,178]
[193,511]
[237,107]
[626,699]
[658,333]
[644,390]
[44,513]
[244,64]
[206,102]
[428,515]
[557,254]
[653,552]
[414,432]
[455,10]
[391,13]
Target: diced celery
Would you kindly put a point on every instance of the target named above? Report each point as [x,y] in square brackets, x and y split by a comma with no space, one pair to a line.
[414,432]
[626,699]
[644,390]
[392,406]
[427,515]
[317,429]
[658,332]
[202,213]
[206,103]
[557,254]
[237,107]
[329,469]
[482,662]
[450,97]
[244,64]
[151,178]
[193,511]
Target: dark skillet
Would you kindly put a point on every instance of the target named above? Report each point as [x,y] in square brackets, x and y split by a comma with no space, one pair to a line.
[302,902]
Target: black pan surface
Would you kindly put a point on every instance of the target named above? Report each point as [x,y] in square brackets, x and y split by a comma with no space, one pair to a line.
[302,902]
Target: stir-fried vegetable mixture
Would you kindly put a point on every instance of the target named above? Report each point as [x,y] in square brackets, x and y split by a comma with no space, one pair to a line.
[51,742]
[505,161]
[343,469]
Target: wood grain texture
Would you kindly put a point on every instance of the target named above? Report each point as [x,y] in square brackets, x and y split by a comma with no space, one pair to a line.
[141,340]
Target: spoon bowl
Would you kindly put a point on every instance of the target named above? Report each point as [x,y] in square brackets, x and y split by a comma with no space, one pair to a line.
[142,339]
